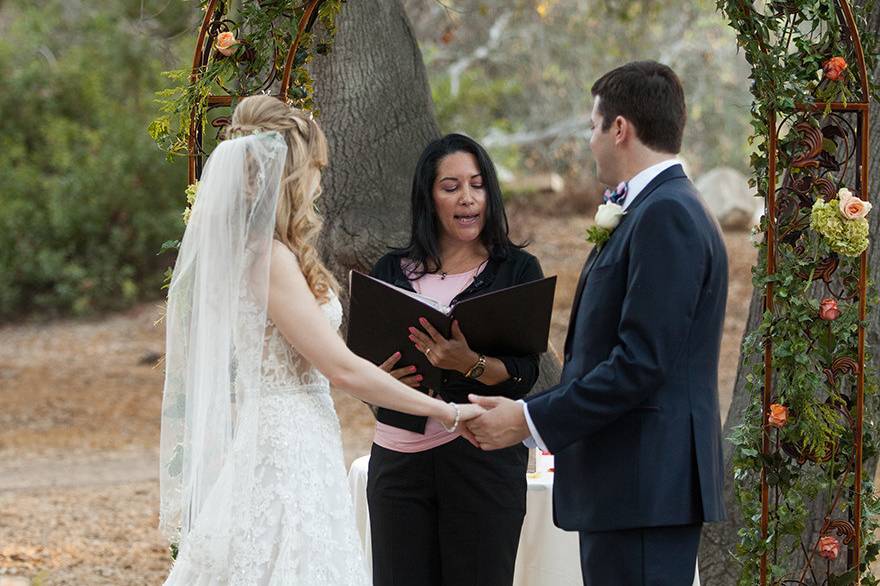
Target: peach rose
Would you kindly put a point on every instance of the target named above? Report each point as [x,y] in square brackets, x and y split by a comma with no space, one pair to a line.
[829,547]
[834,68]
[778,415]
[851,207]
[828,309]
[226,43]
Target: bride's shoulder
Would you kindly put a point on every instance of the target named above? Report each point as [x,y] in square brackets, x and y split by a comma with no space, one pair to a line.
[284,269]
[283,256]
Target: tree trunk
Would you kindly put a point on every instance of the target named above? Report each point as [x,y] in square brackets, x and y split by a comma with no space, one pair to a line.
[873,179]
[717,566]
[376,109]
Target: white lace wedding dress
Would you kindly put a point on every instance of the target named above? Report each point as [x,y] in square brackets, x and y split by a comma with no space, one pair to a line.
[300,528]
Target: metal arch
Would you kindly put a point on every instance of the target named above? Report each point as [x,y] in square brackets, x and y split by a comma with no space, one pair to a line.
[859,51]
[855,367]
[211,26]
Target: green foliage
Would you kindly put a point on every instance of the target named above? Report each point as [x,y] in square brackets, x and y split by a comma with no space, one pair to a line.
[597,235]
[480,106]
[86,196]
[809,456]
[264,31]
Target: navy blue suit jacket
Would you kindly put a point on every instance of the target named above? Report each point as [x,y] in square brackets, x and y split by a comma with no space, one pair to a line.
[634,424]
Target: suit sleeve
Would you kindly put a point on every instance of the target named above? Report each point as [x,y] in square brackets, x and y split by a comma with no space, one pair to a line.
[667,263]
[523,370]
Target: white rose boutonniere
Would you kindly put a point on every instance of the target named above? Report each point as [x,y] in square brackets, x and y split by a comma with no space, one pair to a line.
[607,218]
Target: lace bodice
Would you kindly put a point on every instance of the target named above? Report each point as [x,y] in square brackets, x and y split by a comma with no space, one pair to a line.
[283,367]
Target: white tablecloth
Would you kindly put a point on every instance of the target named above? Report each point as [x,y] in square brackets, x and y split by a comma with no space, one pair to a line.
[547,555]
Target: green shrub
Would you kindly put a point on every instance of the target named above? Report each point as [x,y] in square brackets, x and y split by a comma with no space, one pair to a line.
[86,198]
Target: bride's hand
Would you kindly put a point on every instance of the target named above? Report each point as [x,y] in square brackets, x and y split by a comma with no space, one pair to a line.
[469,411]
[460,411]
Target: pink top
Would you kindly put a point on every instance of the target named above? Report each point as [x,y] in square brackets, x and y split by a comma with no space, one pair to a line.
[443,290]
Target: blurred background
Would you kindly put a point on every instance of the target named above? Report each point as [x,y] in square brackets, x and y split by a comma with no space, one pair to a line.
[87,199]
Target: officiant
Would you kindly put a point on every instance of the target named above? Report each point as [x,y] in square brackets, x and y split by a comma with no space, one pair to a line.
[443,512]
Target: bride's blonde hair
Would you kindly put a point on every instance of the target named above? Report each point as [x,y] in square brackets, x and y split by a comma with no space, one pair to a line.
[297,223]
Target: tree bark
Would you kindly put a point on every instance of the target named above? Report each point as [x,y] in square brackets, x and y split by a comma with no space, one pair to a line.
[717,566]
[873,179]
[375,107]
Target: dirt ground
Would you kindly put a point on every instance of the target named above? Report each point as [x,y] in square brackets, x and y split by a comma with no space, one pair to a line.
[79,423]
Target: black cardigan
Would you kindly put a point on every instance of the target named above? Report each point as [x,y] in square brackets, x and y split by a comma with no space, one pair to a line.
[519,267]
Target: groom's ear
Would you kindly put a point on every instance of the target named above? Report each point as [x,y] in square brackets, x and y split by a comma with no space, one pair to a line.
[622,130]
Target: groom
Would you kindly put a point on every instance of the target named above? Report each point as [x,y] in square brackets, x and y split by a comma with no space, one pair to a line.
[634,423]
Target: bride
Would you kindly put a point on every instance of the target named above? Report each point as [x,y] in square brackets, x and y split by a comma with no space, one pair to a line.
[253,485]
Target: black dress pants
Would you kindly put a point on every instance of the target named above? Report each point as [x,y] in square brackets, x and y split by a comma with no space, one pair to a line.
[449,516]
[650,556]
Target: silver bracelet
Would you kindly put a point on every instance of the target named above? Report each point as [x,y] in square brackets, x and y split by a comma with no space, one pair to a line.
[457,419]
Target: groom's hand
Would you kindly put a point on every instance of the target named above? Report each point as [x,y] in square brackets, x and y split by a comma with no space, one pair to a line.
[502,425]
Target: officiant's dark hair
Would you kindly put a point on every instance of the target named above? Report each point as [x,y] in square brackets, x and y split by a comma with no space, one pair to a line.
[423,248]
[648,94]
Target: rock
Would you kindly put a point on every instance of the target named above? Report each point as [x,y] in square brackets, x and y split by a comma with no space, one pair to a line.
[728,196]
[539,183]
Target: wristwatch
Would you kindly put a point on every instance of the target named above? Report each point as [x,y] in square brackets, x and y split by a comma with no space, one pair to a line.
[476,371]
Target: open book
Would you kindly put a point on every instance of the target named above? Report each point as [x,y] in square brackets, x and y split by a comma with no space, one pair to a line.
[508,322]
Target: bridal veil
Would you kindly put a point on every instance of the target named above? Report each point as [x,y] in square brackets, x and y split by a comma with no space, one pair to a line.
[215,323]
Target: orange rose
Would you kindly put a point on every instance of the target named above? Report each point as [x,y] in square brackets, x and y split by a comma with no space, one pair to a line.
[851,207]
[226,43]
[778,415]
[834,68]
[828,309]
[829,547]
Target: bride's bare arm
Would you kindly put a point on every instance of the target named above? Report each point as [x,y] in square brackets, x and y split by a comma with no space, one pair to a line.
[300,319]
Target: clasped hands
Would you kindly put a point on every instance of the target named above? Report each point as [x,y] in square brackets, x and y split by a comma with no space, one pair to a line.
[499,423]
[489,423]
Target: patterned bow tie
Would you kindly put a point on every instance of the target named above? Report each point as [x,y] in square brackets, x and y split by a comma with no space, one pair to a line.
[618,196]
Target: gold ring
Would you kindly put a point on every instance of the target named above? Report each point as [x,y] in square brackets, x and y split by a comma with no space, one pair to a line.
[427,351]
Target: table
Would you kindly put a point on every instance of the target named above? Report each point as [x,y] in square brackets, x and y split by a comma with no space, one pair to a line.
[547,555]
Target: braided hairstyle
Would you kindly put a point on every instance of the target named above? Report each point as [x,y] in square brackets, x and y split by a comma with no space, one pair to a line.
[297,223]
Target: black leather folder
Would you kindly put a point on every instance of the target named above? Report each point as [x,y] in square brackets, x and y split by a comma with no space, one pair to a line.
[508,322]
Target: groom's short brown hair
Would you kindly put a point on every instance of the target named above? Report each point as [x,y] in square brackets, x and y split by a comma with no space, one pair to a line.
[650,96]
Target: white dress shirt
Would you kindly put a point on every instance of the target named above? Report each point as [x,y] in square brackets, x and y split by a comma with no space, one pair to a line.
[634,188]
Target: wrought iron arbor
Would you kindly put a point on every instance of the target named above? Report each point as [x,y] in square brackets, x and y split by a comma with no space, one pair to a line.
[811,172]
[274,78]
